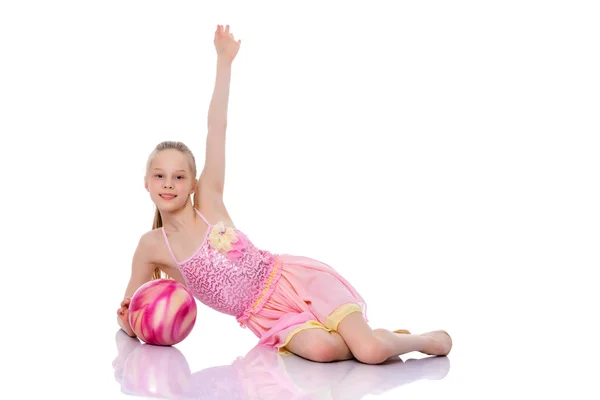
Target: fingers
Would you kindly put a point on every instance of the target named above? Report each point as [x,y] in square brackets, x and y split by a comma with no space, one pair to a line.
[223,31]
[124,306]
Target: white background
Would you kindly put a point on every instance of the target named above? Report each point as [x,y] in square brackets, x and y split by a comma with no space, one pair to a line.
[442,156]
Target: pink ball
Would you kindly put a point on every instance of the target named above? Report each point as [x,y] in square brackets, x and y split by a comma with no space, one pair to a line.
[162,312]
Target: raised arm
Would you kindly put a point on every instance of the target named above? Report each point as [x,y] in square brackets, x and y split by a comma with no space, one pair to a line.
[213,174]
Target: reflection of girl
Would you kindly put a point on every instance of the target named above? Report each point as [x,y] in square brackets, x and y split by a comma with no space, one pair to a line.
[292,303]
[163,372]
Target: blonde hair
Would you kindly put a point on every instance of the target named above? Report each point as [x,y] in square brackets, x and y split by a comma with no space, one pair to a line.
[168,145]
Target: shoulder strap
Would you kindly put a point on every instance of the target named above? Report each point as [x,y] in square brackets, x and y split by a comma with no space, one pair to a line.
[201,216]
[168,245]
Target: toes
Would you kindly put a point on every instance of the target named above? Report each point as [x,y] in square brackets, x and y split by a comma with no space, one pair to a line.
[439,343]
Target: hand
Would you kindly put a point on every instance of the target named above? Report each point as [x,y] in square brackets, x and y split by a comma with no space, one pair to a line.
[125,303]
[225,44]
[123,314]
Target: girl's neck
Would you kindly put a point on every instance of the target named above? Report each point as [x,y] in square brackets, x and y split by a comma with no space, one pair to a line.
[179,220]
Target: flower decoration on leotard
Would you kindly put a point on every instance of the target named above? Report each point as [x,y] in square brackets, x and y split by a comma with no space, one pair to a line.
[227,242]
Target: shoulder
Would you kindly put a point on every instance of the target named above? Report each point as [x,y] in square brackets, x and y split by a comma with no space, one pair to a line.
[215,214]
[209,201]
[151,251]
[148,246]
[213,208]
[150,239]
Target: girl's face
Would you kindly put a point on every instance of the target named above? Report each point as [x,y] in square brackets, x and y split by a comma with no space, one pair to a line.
[169,180]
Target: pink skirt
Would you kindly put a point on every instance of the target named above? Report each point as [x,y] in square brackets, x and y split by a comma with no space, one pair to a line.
[308,294]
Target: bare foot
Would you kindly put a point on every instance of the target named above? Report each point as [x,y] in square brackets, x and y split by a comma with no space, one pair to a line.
[440,343]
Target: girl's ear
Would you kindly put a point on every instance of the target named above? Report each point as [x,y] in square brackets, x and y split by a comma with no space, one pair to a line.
[146,183]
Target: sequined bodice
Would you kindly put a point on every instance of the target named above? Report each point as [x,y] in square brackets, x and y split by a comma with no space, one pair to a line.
[228,272]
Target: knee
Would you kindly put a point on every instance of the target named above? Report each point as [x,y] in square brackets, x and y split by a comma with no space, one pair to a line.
[322,351]
[371,351]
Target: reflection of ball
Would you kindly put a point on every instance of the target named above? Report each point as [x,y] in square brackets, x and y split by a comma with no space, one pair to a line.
[162,312]
[157,372]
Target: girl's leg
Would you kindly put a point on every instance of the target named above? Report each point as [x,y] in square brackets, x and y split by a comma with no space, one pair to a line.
[319,345]
[376,346]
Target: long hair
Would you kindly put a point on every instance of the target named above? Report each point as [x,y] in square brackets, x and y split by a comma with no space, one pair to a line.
[158,274]
[158,223]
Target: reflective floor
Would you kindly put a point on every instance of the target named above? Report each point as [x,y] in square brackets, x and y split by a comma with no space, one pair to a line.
[104,363]
[166,372]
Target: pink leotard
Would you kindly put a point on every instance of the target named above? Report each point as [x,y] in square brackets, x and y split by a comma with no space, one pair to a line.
[233,282]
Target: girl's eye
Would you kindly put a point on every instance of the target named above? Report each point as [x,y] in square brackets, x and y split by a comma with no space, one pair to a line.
[159,175]
[180,177]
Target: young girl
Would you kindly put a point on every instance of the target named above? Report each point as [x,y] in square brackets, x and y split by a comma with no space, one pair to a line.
[292,303]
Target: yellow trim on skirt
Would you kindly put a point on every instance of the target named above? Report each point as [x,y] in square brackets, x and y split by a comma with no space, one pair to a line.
[331,323]
[312,324]
[333,320]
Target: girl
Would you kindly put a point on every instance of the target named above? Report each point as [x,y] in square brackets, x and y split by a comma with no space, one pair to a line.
[292,303]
